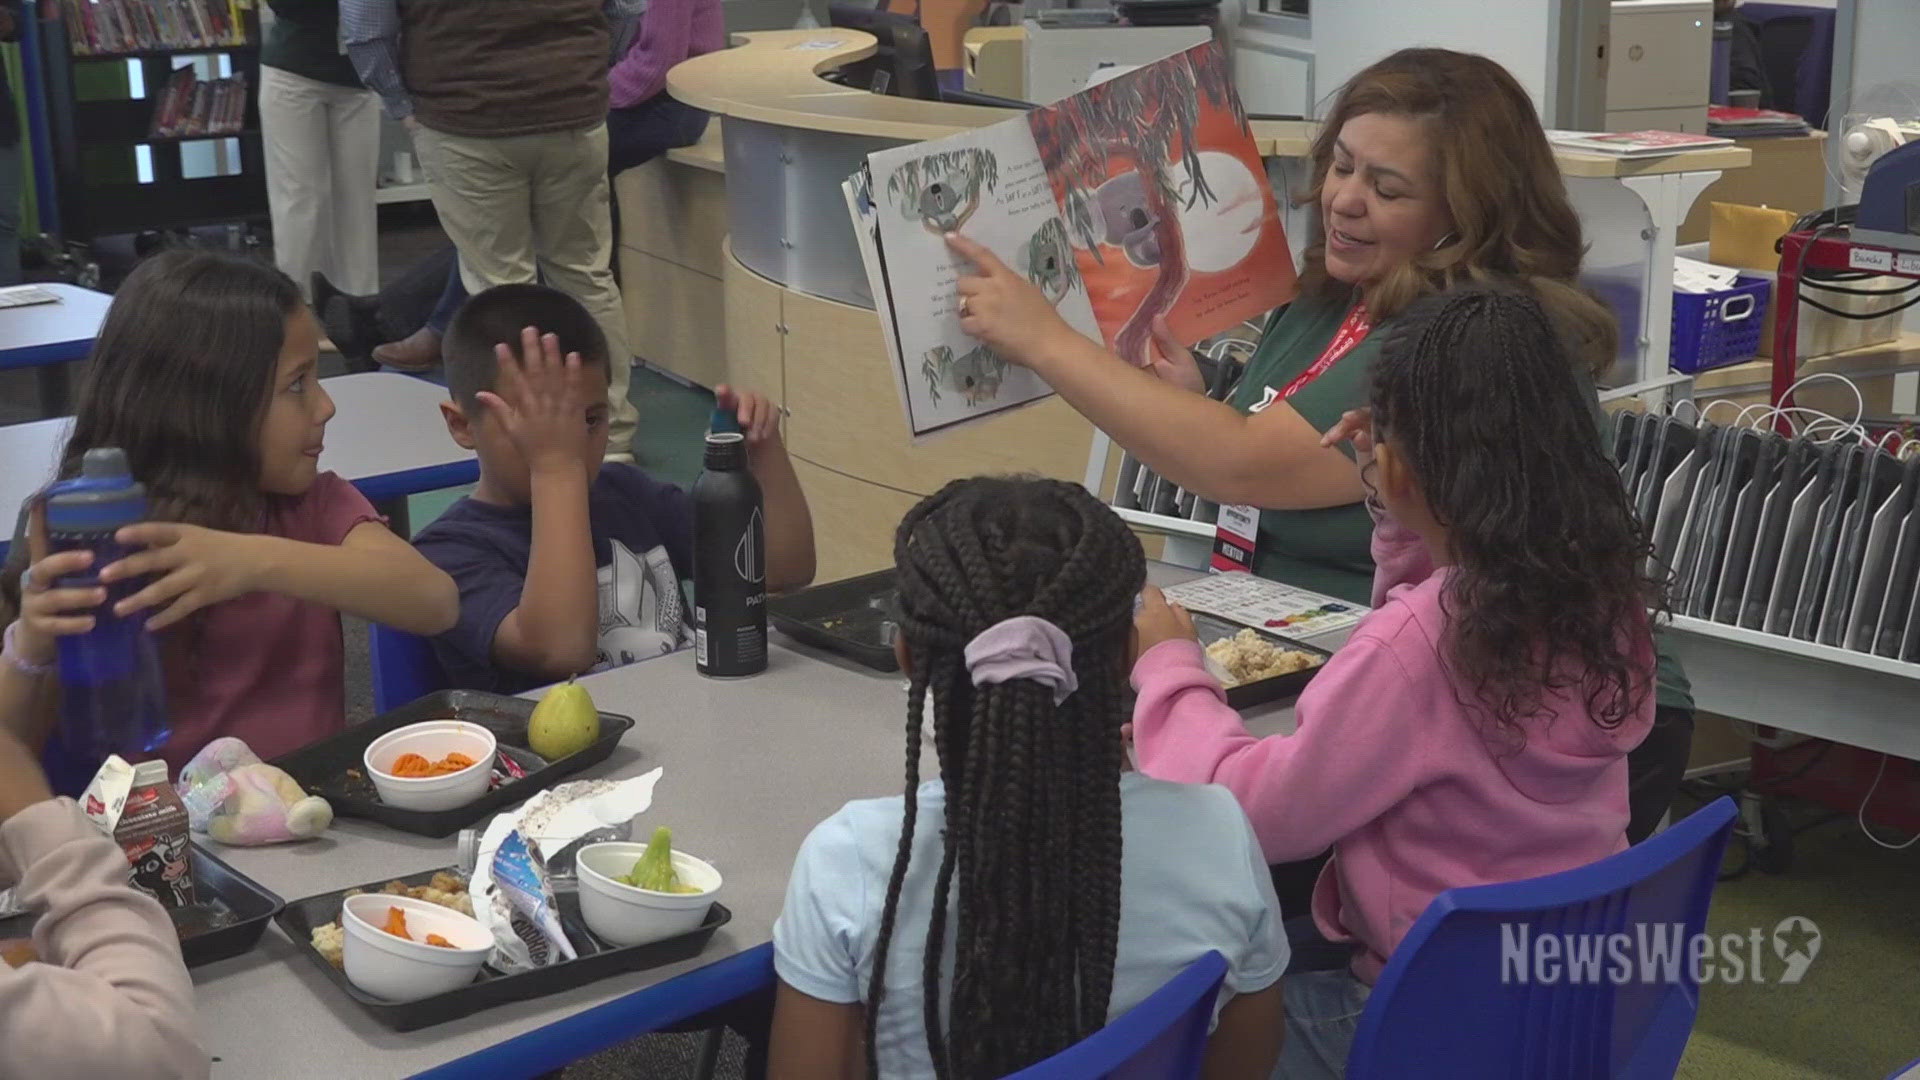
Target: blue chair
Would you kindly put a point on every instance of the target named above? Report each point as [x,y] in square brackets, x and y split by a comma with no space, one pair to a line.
[1162,1038]
[404,667]
[1446,1007]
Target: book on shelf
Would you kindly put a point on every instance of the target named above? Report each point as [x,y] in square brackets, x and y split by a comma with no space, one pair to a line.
[1634,144]
[190,107]
[109,27]
[1140,198]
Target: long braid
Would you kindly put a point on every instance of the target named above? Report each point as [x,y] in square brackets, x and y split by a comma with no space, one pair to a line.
[1031,851]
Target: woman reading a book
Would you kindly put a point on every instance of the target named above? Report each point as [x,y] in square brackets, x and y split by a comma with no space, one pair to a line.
[1431,170]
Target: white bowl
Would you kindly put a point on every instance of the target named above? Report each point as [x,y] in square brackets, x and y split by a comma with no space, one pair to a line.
[433,740]
[621,914]
[397,969]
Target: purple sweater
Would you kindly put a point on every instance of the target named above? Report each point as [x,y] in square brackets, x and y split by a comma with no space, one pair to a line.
[670,31]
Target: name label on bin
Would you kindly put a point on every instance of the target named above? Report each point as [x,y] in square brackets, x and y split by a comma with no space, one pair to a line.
[1870,259]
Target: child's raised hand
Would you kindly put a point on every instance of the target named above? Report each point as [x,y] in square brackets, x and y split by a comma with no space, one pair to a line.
[542,403]
[47,613]
[759,418]
[1159,620]
[193,567]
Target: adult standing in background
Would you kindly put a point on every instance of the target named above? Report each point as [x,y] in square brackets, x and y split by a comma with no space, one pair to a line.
[321,127]
[10,14]
[507,104]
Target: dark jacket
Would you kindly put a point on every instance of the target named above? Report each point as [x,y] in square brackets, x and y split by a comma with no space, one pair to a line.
[509,68]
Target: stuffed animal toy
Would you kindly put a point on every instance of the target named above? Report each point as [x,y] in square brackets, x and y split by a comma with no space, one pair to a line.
[234,797]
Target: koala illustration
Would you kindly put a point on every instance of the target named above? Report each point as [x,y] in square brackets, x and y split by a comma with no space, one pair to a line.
[1129,221]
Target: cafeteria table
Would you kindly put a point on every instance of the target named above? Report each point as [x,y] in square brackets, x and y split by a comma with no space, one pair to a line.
[48,337]
[750,766]
[386,437]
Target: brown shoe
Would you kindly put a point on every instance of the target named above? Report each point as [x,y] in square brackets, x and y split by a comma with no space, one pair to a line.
[419,352]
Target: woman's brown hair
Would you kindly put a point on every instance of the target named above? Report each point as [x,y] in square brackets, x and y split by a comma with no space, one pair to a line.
[1512,221]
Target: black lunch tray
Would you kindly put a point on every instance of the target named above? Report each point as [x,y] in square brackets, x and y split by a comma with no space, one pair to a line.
[847,617]
[597,960]
[250,905]
[1279,688]
[322,767]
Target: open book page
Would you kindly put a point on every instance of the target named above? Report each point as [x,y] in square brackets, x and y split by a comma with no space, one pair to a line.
[1166,201]
[988,185]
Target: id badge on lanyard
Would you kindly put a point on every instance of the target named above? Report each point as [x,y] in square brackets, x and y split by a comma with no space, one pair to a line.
[1238,530]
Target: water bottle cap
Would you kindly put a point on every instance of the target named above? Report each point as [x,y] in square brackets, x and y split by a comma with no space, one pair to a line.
[723,422]
[103,497]
[103,462]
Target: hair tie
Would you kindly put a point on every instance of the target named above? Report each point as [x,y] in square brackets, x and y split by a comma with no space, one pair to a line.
[1024,647]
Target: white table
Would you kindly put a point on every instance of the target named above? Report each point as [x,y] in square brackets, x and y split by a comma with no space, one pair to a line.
[51,336]
[751,766]
[386,437]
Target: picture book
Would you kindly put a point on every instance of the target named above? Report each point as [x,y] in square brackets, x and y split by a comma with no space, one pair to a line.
[1139,198]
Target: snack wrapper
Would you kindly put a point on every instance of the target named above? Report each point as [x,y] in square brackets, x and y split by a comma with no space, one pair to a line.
[520,877]
[548,822]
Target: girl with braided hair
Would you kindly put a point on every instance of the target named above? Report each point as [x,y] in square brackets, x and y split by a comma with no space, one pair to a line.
[1475,727]
[992,917]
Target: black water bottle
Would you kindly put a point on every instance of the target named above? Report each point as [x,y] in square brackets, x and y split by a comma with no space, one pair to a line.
[729,564]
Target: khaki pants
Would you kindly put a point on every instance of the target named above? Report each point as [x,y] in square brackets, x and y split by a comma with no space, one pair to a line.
[322,153]
[535,208]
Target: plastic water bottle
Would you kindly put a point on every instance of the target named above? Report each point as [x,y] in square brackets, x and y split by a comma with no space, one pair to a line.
[729,562]
[112,697]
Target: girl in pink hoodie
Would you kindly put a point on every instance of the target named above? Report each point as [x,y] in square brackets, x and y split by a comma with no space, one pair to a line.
[1475,727]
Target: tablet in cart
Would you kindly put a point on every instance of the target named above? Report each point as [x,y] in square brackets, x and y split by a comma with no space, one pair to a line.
[1670,515]
[1795,472]
[1798,541]
[1876,567]
[1879,477]
[1625,423]
[1744,527]
[1672,441]
[1906,567]
[1694,532]
[1638,448]
[1826,543]
[1910,649]
[1733,466]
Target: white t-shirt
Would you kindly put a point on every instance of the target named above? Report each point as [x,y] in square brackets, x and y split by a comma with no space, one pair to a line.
[1192,880]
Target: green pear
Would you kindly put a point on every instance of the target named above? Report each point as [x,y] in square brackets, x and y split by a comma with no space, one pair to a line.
[564,723]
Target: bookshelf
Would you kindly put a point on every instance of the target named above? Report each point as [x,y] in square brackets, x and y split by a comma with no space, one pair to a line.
[96,140]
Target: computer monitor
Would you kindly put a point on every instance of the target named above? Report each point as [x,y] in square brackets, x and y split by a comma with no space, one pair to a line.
[903,64]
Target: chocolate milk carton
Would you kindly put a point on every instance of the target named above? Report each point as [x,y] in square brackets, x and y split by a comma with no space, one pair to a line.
[154,832]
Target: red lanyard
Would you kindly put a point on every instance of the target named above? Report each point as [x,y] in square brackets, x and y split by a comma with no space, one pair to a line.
[1352,332]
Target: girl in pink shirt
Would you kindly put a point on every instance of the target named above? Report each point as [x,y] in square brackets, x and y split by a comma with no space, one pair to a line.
[1475,727]
[204,373]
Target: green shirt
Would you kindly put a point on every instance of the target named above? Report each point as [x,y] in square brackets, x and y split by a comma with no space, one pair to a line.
[1330,550]
[305,40]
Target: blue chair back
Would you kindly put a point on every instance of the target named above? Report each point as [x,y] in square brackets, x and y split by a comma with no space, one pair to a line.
[404,667]
[1162,1038]
[1457,999]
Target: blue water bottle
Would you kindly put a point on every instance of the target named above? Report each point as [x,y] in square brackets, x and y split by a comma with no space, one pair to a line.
[112,697]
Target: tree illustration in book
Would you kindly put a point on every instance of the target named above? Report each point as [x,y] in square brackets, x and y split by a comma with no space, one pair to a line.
[1141,197]
[1166,201]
